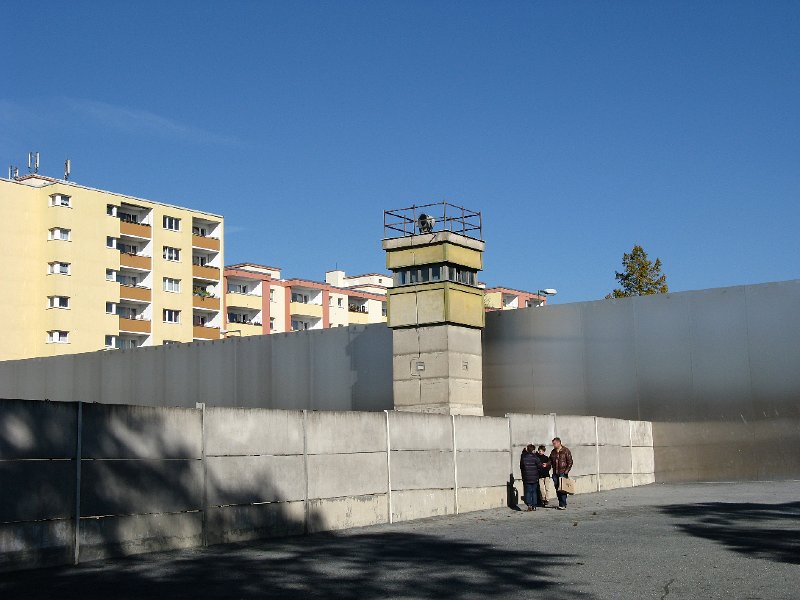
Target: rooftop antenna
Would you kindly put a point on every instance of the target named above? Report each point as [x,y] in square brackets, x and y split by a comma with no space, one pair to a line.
[67,169]
[33,162]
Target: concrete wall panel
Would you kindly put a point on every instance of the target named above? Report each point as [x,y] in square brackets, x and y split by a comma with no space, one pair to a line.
[140,432]
[615,459]
[330,514]
[575,431]
[420,431]
[642,433]
[422,469]
[408,505]
[642,459]
[613,432]
[345,432]
[482,468]
[481,433]
[37,429]
[39,489]
[251,479]
[232,524]
[335,475]
[39,543]
[121,487]
[236,431]
[481,498]
[135,534]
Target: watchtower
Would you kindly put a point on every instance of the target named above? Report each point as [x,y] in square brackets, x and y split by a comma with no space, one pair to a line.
[436,308]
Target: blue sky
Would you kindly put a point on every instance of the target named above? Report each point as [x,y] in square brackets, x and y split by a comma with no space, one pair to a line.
[578,128]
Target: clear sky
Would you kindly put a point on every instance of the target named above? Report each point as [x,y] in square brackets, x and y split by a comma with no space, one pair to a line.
[578,128]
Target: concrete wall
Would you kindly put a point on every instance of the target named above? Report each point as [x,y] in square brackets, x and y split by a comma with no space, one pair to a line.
[143,479]
[716,371]
[345,368]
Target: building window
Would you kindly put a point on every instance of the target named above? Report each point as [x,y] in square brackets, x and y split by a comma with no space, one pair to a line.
[58,337]
[200,260]
[111,242]
[200,320]
[111,275]
[128,248]
[111,308]
[384,311]
[272,323]
[201,231]
[238,288]
[171,253]
[58,301]
[125,344]
[340,302]
[299,325]
[172,285]
[172,223]
[111,210]
[111,341]
[58,268]
[59,233]
[172,316]
[301,298]
[60,200]
[271,295]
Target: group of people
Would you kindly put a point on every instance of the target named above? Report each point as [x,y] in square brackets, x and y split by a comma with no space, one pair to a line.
[536,465]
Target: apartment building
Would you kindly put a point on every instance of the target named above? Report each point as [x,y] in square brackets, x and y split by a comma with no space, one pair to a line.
[89,269]
[259,301]
[500,298]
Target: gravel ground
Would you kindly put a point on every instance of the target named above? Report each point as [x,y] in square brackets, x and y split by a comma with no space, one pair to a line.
[712,540]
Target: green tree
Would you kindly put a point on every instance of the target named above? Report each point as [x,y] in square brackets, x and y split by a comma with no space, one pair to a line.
[640,276]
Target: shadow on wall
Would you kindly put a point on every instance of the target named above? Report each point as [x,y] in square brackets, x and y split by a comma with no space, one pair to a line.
[141,486]
[325,565]
[731,525]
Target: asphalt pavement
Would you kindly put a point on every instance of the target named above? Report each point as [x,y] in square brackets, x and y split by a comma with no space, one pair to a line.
[715,540]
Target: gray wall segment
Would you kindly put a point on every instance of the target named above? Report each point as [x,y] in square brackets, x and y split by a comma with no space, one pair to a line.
[481,469]
[36,429]
[422,469]
[31,490]
[481,433]
[420,431]
[254,479]
[252,431]
[345,368]
[114,431]
[337,475]
[346,432]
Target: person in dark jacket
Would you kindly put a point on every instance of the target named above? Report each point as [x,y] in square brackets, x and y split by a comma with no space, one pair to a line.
[529,464]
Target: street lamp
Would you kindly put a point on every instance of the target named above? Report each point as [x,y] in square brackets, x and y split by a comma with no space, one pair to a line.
[546,292]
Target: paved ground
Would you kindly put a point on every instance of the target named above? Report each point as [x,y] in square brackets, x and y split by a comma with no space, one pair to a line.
[732,541]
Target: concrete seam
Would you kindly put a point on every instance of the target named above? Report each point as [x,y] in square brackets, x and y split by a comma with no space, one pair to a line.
[455,465]
[305,472]
[597,452]
[630,447]
[204,500]
[388,468]
[78,454]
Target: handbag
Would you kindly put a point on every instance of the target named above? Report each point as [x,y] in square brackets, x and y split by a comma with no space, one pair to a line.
[566,485]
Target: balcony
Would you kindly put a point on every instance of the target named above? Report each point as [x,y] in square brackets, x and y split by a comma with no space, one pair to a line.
[135,261]
[135,230]
[234,300]
[134,325]
[205,272]
[139,294]
[205,333]
[207,243]
[205,302]
[358,318]
[245,328]
[305,310]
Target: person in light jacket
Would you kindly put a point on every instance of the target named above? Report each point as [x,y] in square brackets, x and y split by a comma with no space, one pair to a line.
[561,462]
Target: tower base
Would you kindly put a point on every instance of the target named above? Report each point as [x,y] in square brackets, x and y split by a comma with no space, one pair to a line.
[438,369]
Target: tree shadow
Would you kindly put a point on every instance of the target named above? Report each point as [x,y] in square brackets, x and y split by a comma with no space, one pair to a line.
[358,565]
[768,531]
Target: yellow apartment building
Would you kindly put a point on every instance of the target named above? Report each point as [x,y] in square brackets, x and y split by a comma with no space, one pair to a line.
[88,269]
